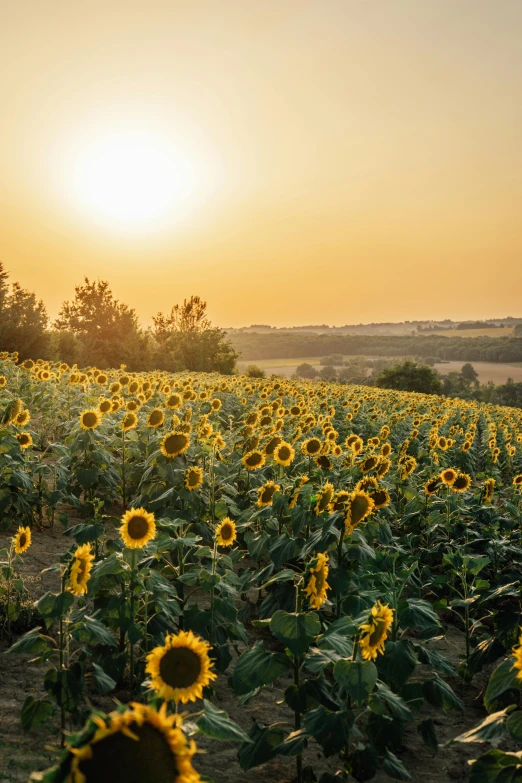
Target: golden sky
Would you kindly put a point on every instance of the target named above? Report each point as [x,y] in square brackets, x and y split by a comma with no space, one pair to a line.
[291,161]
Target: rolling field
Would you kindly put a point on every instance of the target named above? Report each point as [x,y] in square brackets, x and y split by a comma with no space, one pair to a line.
[494,332]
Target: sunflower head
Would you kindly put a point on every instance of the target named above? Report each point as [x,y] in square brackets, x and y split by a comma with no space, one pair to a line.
[138,527]
[266,494]
[22,540]
[461,483]
[81,569]
[137,743]
[448,476]
[359,507]
[517,481]
[317,585]
[253,460]
[312,447]
[155,418]
[374,633]
[284,453]
[174,444]
[90,419]
[23,418]
[193,478]
[381,498]
[180,668]
[226,532]
[432,485]
[324,498]
[130,420]
[24,439]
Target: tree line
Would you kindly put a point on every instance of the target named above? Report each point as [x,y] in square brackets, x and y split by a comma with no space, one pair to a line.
[94,328]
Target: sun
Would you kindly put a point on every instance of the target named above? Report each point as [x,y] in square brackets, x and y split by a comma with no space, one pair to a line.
[132,179]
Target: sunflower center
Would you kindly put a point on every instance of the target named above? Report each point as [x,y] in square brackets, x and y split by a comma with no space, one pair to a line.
[284,453]
[319,580]
[138,527]
[118,757]
[180,667]
[23,540]
[174,443]
[155,417]
[226,532]
[378,633]
[358,509]
[254,459]
[193,478]
[89,419]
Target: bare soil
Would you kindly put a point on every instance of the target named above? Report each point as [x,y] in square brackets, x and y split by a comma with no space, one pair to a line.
[21,753]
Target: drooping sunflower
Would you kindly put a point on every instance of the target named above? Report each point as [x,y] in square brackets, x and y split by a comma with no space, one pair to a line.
[138,527]
[81,569]
[517,655]
[324,498]
[317,585]
[448,476]
[517,481]
[181,668]
[174,444]
[324,462]
[432,485]
[253,460]
[266,494]
[381,498]
[489,486]
[193,478]
[130,420]
[272,444]
[22,540]
[311,447]
[367,483]
[89,420]
[23,418]
[226,532]
[340,500]
[461,483]
[359,507]
[138,744]
[375,632]
[155,418]
[24,439]
[383,467]
[370,463]
[284,453]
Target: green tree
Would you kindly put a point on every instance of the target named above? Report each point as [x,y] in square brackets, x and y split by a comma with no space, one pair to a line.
[306,370]
[186,339]
[107,330]
[410,376]
[517,331]
[23,320]
[253,371]
[469,373]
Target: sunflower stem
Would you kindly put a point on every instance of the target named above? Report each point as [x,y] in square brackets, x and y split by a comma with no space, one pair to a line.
[133,573]
[123,488]
[214,558]
[339,561]
[61,667]
[297,714]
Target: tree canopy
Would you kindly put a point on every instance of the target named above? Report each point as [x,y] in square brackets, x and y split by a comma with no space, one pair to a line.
[411,377]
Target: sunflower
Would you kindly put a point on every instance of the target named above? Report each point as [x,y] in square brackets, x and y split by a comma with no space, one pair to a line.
[174,444]
[383,468]
[266,494]
[24,439]
[104,406]
[317,585]
[174,401]
[253,460]
[324,462]
[22,418]
[370,463]
[89,420]
[517,655]
[340,500]
[226,532]
[193,478]
[359,507]
[311,447]
[138,744]
[448,476]
[155,418]
[137,528]
[375,632]
[461,483]
[181,668]
[81,569]
[272,444]
[489,486]
[386,450]
[324,498]
[367,483]
[22,540]
[517,481]
[381,498]
[284,454]
[432,485]
[129,421]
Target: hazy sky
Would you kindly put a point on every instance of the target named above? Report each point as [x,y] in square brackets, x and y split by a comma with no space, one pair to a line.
[291,161]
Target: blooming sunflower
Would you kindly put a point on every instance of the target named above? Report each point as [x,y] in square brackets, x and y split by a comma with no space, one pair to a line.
[138,744]
[23,418]
[317,585]
[81,569]
[181,668]
[22,540]
[517,655]
[155,418]
[381,498]
[311,447]
[370,463]
[448,476]
[461,483]
[226,532]
[174,444]
[104,406]
[324,462]
[253,460]
[375,632]
[432,485]
[24,439]
[324,498]
[517,481]
[138,527]
[340,500]
[193,478]
[284,454]
[358,507]
[89,420]
[489,486]
[383,468]
[129,421]
[266,494]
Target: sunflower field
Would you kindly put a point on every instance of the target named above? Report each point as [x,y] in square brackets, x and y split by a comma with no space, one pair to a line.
[258,579]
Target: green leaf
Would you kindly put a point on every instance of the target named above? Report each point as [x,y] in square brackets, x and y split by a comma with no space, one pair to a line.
[257,668]
[92,631]
[330,729]
[294,745]
[358,677]
[52,606]
[503,679]
[102,681]
[492,729]
[31,643]
[295,630]
[418,614]
[87,477]
[476,565]
[261,747]
[394,767]
[398,662]
[283,576]
[35,712]
[514,725]
[384,701]
[495,766]
[215,723]
[434,659]
[427,731]
[439,694]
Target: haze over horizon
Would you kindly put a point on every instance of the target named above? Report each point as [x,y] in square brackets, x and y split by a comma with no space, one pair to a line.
[292,163]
